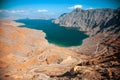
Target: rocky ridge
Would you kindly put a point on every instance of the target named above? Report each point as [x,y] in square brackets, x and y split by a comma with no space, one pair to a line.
[99,24]
[102,46]
[92,21]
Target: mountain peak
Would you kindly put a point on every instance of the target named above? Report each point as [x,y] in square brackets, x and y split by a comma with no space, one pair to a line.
[77,10]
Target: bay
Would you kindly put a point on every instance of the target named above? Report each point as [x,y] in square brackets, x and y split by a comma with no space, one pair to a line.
[55,34]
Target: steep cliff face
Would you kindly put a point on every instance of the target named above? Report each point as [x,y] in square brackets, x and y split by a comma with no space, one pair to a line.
[92,21]
[100,24]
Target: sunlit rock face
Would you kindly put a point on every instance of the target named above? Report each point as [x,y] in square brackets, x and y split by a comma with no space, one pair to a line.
[92,21]
[25,53]
[100,24]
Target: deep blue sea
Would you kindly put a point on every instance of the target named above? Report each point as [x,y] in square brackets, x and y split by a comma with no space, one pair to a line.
[56,34]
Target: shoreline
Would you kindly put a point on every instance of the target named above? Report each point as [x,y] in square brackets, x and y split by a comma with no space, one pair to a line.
[60,43]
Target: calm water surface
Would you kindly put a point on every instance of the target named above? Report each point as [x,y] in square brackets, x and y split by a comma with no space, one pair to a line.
[56,34]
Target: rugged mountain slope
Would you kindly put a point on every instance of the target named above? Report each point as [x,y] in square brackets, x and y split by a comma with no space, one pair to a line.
[100,24]
[25,54]
[92,21]
[102,46]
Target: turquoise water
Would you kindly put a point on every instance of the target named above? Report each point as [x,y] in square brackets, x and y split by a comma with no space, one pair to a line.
[56,34]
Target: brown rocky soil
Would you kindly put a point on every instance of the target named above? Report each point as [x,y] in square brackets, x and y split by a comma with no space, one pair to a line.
[25,54]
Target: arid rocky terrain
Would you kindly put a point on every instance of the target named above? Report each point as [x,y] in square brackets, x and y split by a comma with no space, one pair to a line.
[25,54]
[102,46]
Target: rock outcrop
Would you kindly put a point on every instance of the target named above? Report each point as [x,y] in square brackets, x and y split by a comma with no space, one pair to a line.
[92,21]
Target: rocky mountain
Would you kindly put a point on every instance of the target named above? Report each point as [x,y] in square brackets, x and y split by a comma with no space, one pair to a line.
[102,45]
[99,24]
[92,21]
[25,54]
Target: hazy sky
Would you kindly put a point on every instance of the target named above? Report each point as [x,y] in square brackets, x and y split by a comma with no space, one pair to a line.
[54,7]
